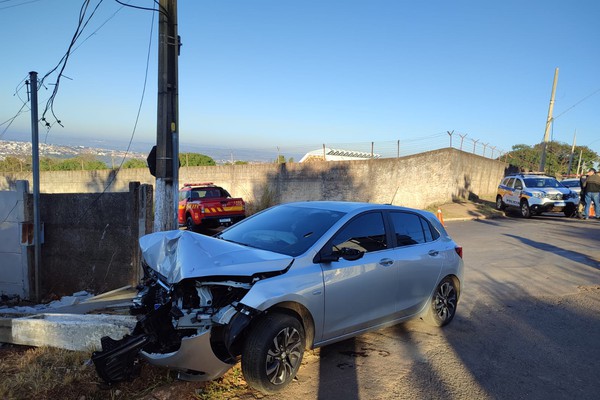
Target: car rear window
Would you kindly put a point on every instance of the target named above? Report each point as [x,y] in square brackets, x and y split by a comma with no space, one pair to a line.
[411,229]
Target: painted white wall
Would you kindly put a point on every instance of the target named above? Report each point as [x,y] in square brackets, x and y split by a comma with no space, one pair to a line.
[13,256]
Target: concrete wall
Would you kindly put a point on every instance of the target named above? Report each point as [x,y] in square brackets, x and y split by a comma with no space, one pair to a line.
[14,267]
[415,181]
[91,239]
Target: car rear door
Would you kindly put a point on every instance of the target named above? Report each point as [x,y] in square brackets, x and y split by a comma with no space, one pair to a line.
[419,257]
[359,293]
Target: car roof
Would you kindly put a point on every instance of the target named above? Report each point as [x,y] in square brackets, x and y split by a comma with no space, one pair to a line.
[348,206]
[529,176]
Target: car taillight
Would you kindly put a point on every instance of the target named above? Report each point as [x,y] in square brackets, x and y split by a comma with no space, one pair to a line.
[458,250]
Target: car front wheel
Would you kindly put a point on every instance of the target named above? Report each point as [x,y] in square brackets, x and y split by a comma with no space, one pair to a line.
[443,303]
[525,211]
[273,352]
[570,210]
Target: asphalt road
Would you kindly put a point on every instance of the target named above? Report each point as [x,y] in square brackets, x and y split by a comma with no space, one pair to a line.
[527,326]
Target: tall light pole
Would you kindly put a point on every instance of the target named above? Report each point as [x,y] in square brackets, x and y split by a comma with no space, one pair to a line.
[167,123]
[548,123]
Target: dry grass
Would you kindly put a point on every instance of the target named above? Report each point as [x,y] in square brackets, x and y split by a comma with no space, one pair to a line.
[48,373]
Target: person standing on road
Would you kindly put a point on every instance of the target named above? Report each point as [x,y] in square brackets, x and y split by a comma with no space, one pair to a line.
[592,193]
[581,205]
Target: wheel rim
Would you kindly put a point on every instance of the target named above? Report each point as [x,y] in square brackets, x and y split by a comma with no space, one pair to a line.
[445,301]
[499,203]
[284,355]
[524,209]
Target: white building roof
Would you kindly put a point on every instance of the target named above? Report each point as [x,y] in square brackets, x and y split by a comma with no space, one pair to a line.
[337,155]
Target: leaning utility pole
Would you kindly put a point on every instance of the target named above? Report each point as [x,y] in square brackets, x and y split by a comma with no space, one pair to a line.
[548,123]
[571,155]
[167,139]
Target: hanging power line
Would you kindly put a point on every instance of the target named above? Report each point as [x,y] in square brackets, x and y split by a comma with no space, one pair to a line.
[84,19]
[17,5]
[578,103]
[114,176]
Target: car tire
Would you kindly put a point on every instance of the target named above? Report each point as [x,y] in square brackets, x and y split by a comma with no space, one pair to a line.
[570,211]
[273,352]
[442,306]
[189,224]
[499,203]
[525,210]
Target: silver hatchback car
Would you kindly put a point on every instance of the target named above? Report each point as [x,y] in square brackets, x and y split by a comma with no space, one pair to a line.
[292,277]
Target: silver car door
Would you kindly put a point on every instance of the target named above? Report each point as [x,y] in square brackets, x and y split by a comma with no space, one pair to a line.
[359,293]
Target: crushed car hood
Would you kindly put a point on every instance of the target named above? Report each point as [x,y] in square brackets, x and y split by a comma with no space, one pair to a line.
[178,255]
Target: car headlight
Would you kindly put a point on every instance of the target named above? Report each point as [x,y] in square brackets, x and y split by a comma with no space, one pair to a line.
[539,195]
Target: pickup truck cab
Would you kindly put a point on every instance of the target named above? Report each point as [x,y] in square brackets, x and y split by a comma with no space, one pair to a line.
[209,206]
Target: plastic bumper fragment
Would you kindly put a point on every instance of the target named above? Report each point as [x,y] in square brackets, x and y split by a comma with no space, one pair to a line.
[118,359]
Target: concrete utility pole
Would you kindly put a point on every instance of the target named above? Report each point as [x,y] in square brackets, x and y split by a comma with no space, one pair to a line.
[548,122]
[35,166]
[572,151]
[167,130]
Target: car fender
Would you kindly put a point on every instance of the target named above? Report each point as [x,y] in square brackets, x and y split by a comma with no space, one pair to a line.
[302,285]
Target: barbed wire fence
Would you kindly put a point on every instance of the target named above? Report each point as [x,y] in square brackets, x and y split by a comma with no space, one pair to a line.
[393,148]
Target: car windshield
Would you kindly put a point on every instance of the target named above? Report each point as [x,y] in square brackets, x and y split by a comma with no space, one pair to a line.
[570,184]
[541,183]
[284,229]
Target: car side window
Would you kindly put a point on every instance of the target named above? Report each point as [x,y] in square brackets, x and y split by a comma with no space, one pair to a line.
[411,229]
[510,182]
[518,184]
[365,233]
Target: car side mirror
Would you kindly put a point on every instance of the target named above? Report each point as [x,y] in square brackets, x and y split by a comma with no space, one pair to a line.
[350,254]
[346,253]
[324,257]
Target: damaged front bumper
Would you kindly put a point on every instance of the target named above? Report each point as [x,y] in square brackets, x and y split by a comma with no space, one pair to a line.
[118,360]
[194,361]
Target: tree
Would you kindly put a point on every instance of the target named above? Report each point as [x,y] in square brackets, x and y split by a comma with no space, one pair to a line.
[135,163]
[195,160]
[15,164]
[82,162]
[528,158]
[236,162]
[48,164]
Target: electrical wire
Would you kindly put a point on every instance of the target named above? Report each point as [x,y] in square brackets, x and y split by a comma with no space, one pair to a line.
[62,64]
[114,176]
[161,10]
[576,104]
[17,5]
[9,121]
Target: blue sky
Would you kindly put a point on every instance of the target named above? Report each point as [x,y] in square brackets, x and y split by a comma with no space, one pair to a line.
[268,73]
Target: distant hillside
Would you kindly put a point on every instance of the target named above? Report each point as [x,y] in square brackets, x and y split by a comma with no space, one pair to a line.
[23,149]
[113,157]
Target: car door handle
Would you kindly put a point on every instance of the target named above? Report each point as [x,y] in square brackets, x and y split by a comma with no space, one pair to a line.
[386,262]
[433,253]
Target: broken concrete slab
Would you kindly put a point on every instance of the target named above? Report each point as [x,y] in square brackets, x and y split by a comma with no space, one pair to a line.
[78,303]
[66,331]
